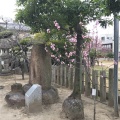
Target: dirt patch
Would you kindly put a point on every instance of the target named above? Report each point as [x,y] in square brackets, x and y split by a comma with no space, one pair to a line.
[50,112]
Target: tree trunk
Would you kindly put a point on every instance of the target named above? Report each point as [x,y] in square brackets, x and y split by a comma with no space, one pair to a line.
[92,61]
[76,91]
[40,67]
[73,106]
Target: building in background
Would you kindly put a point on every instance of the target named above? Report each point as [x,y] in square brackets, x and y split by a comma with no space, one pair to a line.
[107,41]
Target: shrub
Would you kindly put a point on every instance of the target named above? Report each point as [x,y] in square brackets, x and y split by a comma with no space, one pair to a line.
[110,55]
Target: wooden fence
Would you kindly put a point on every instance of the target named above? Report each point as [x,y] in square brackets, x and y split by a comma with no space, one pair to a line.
[64,76]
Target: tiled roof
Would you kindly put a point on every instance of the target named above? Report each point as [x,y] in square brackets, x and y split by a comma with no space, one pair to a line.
[15,26]
[11,41]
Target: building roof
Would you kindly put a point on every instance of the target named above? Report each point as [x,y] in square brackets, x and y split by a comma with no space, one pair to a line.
[7,41]
[15,26]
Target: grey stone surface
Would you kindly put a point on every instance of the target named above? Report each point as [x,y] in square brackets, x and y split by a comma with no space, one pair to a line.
[73,109]
[50,96]
[26,87]
[33,99]
[16,87]
[15,99]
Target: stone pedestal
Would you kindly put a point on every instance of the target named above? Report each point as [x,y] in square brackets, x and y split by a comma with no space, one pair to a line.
[15,97]
[73,109]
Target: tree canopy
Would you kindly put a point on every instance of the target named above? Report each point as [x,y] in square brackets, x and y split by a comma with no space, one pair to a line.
[40,14]
[68,16]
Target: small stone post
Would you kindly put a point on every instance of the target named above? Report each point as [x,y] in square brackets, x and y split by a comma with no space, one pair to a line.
[102,86]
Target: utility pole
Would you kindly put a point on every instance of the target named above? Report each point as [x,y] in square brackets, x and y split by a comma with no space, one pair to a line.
[116,49]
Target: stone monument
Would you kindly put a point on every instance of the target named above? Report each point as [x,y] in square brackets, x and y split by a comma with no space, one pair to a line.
[33,99]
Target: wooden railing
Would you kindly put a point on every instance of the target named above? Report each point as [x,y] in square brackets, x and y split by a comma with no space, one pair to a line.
[63,75]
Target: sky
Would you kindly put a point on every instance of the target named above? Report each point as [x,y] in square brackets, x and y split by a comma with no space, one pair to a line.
[100,30]
[8,8]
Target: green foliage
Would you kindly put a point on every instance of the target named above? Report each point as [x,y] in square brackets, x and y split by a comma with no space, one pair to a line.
[92,53]
[2,29]
[39,38]
[36,13]
[16,51]
[95,53]
[19,2]
[114,6]
[59,43]
[25,41]
[40,14]
[5,34]
[16,48]
[108,7]
[61,48]
[110,55]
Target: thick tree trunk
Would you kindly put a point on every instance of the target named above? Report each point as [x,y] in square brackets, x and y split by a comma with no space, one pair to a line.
[40,67]
[76,91]
[73,106]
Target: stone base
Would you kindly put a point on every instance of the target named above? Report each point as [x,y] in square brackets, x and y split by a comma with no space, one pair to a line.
[50,96]
[15,99]
[73,109]
[16,87]
[25,88]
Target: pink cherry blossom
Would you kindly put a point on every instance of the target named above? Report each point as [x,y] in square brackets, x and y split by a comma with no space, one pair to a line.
[48,30]
[57,25]
[46,49]
[73,40]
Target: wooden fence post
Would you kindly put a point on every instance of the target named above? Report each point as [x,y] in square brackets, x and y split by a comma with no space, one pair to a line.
[103,86]
[56,69]
[87,83]
[66,76]
[71,78]
[111,84]
[95,81]
[63,75]
[53,73]
[58,75]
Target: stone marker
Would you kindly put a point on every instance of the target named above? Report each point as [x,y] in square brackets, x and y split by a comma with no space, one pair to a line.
[33,99]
